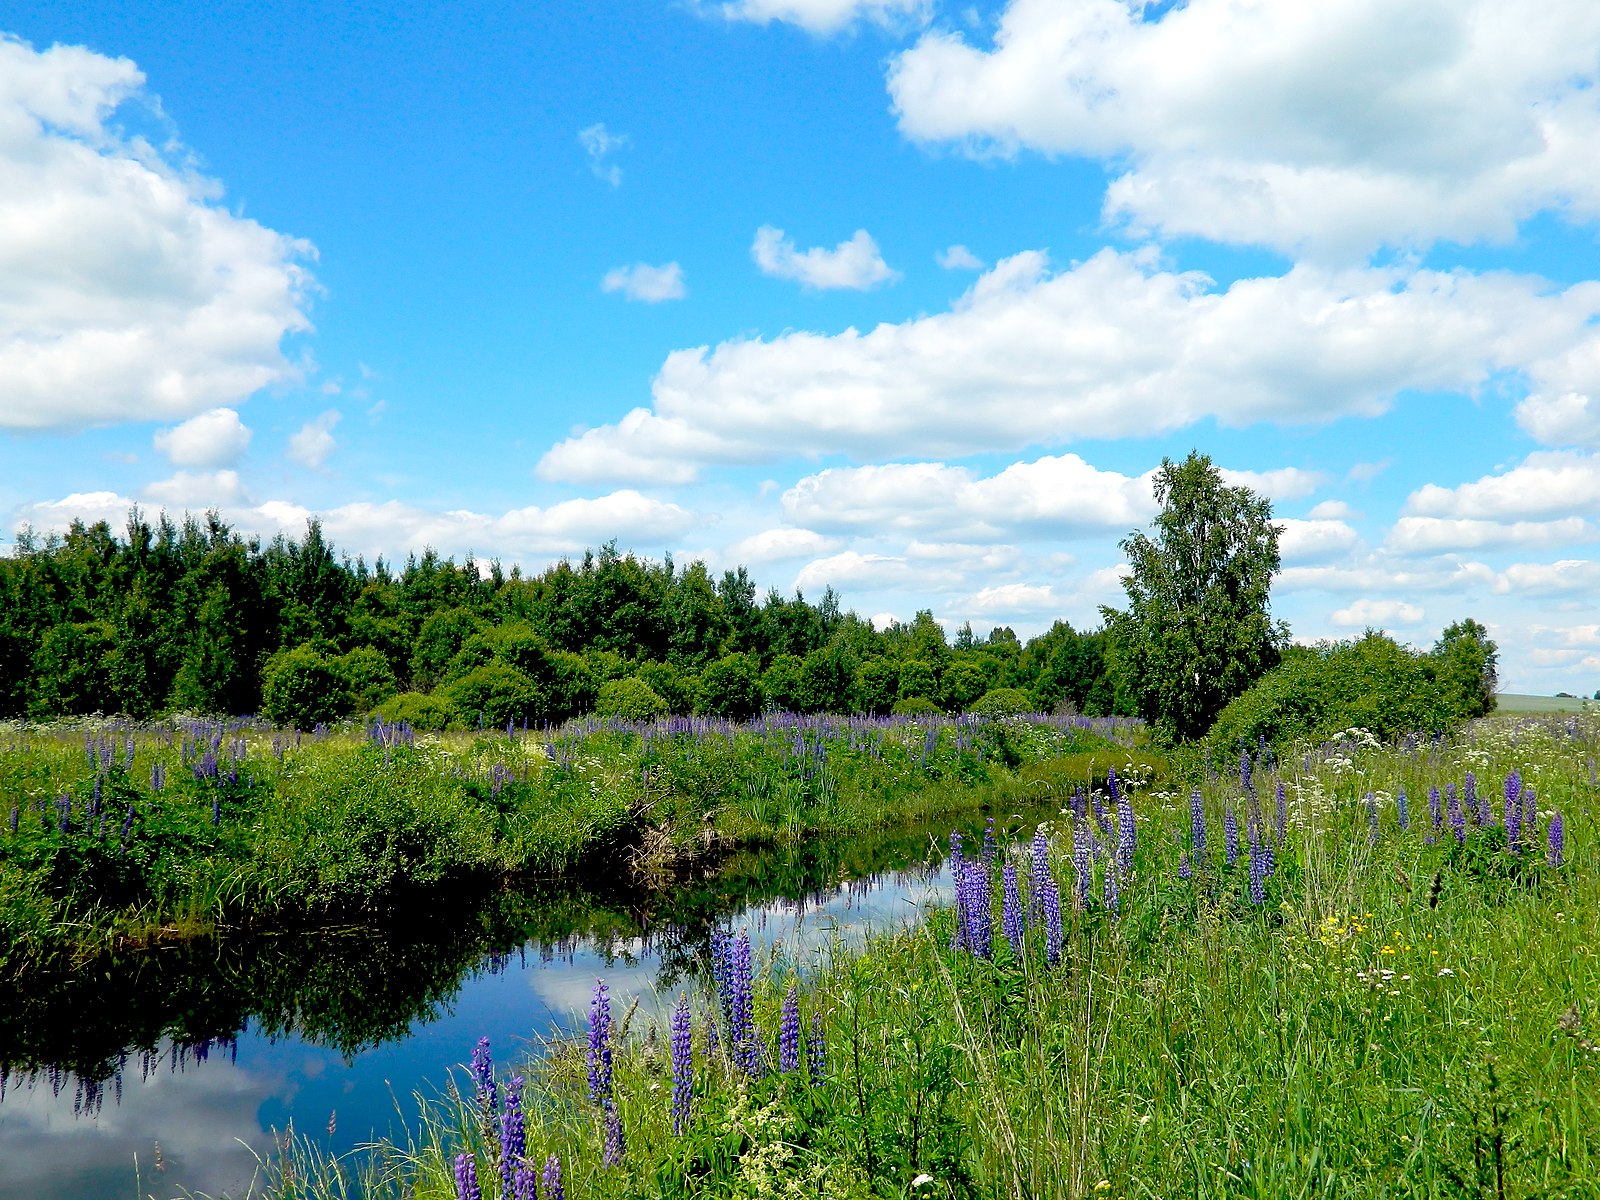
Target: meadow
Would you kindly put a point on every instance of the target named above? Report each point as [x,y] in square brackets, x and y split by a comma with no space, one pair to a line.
[1364,970]
[119,836]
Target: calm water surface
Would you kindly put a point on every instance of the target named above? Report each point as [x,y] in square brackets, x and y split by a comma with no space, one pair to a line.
[174,1068]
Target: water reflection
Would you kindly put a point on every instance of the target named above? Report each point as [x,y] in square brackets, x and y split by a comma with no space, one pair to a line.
[187,1059]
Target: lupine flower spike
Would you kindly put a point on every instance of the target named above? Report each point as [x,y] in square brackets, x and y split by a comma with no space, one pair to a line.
[467,1178]
[789,1033]
[1555,840]
[552,1179]
[600,1044]
[682,1065]
[1011,908]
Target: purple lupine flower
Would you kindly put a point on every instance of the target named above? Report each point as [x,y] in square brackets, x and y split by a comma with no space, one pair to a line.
[1053,937]
[1555,840]
[816,1050]
[722,969]
[990,846]
[1469,799]
[1110,893]
[16,818]
[1230,835]
[1127,836]
[1435,809]
[513,1133]
[1282,828]
[1246,784]
[1258,872]
[789,1033]
[1184,870]
[524,1182]
[682,1065]
[616,1148]
[1102,822]
[1041,873]
[1404,806]
[1372,818]
[1513,809]
[980,926]
[1458,820]
[552,1179]
[1011,908]
[600,1043]
[1080,805]
[1082,867]
[742,1036]
[483,1075]
[467,1178]
[1528,815]
[1197,823]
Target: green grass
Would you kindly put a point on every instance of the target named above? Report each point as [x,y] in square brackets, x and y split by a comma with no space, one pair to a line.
[1513,703]
[288,831]
[1397,1019]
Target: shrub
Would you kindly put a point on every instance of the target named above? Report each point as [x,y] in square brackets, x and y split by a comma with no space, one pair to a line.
[367,676]
[915,706]
[417,710]
[731,688]
[493,695]
[631,699]
[1374,683]
[1003,702]
[302,687]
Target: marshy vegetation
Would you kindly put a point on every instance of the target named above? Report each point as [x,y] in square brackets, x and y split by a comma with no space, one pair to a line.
[1364,970]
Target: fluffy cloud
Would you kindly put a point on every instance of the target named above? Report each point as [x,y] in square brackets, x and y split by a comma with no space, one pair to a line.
[1547,484]
[1378,614]
[777,545]
[1546,579]
[127,291]
[1049,498]
[641,281]
[959,258]
[1336,127]
[313,443]
[396,528]
[1111,347]
[599,144]
[822,16]
[213,439]
[189,491]
[1315,540]
[1436,535]
[854,265]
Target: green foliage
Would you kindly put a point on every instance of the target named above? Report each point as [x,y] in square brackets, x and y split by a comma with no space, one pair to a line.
[630,699]
[304,688]
[1003,702]
[367,675]
[916,706]
[918,678]
[72,666]
[1372,683]
[781,683]
[418,710]
[1198,630]
[731,687]
[493,695]
[678,688]
[1466,664]
[963,683]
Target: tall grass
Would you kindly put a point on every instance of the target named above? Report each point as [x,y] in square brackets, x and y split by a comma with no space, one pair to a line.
[1393,1012]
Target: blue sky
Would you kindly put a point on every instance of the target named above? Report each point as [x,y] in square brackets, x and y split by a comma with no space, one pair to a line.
[902,296]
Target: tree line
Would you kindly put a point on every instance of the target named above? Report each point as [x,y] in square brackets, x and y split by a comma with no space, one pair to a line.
[195,616]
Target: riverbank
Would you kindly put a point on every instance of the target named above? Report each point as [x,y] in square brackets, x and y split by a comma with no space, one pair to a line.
[122,837]
[1382,987]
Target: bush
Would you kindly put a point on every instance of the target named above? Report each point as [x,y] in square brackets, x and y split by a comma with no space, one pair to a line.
[631,699]
[493,695]
[304,688]
[1003,702]
[417,710]
[1374,683]
[915,706]
[367,676]
[731,688]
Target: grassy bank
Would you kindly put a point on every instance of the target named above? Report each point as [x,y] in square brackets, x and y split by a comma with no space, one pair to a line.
[1375,997]
[114,836]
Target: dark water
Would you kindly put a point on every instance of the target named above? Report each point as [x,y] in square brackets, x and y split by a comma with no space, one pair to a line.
[185,1061]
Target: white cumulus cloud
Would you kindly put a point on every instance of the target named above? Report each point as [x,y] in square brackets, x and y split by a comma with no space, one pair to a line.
[777,545]
[854,265]
[313,444]
[1111,347]
[1335,127]
[1379,614]
[959,258]
[127,290]
[641,281]
[213,439]
[1437,535]
[1548,484]
[823,16]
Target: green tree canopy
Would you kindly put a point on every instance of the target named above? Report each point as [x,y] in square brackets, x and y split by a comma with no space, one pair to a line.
[1198,629]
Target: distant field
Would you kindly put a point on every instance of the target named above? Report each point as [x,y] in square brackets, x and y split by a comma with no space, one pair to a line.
[1513,702]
